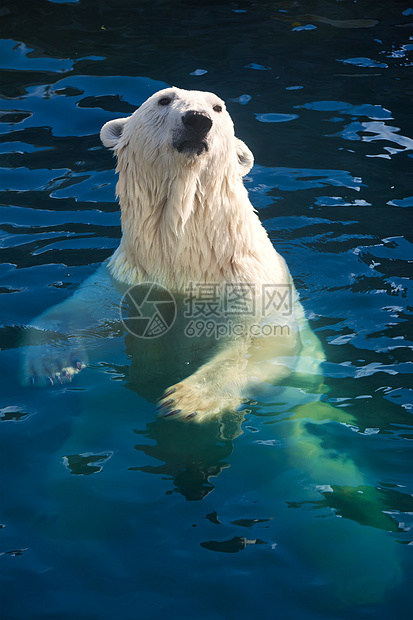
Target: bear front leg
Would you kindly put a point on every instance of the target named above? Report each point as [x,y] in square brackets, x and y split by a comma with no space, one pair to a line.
[55,344]
[221,384]
[214,388]
[50,358]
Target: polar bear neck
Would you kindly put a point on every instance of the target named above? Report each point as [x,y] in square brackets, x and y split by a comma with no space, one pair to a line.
[193,225]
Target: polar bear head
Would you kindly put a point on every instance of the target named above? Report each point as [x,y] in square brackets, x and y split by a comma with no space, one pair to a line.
[175,130]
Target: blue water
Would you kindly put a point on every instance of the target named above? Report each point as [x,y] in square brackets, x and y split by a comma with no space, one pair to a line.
[108,513]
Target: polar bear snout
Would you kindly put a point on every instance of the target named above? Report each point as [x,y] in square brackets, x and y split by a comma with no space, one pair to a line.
[191,136]
[198,122]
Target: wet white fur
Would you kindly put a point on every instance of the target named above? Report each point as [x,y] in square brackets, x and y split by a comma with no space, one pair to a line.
[186,218]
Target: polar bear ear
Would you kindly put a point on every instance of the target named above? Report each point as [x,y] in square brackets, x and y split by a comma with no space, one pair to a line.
[245,157]
[112,131]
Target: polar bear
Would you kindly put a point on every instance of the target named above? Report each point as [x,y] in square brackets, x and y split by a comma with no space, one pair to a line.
[187,220]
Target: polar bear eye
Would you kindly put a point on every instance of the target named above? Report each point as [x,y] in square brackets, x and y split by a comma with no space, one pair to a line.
[165,101]
[217,108]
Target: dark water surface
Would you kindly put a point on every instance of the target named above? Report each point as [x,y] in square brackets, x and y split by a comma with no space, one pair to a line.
[107,513]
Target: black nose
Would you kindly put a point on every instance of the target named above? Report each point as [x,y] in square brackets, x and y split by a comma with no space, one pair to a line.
[198,122]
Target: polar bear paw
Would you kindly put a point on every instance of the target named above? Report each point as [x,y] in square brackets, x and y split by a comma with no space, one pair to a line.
[45,365]
[190,400]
